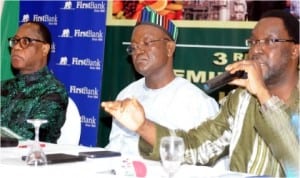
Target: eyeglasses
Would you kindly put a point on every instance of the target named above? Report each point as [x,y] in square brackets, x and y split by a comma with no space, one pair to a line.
[146,44]
[24,41]
[266,42]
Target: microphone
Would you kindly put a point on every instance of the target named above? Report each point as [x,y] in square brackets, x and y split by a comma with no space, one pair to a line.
[221,80]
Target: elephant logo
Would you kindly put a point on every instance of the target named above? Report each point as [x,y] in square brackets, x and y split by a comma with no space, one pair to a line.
[25,18]
[65,33]
[63,60]
[68,5]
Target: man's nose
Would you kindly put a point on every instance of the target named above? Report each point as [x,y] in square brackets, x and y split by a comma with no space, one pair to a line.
[257,48]
[139,49]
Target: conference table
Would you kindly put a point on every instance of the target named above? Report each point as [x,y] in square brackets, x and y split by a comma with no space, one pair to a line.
[11,165]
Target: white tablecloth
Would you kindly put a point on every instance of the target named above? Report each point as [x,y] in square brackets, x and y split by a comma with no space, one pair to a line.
[11,165]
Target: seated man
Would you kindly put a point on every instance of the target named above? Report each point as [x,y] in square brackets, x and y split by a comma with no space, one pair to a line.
[254,123]
[169,100]
[34,93]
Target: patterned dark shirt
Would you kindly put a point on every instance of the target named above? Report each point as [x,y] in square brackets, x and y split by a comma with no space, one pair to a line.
[34,96]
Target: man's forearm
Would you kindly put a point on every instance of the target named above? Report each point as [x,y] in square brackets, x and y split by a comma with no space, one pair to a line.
[148,132]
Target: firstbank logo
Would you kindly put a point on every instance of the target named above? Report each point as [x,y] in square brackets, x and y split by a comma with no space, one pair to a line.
[53,47]
[94,35]
[80,4]
[89,92]
[63,61]
[25,18]
[92,64]
[97,7]
[88,121]
[68,5]
[65,33]
[51,20]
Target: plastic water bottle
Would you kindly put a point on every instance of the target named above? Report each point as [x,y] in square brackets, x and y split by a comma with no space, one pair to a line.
[295,123]
[293,172]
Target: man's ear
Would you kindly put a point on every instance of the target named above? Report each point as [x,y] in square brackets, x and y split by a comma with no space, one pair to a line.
[296,50]
[295,54]
[46,49]
[171,45]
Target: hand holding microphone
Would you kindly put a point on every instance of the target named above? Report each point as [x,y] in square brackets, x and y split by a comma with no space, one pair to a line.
[222,80]
[252,70]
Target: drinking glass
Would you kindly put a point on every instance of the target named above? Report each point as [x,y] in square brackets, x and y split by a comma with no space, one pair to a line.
[36,155]
[171,153]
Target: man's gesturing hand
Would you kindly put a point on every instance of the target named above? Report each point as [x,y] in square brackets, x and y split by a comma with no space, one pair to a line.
[129,112]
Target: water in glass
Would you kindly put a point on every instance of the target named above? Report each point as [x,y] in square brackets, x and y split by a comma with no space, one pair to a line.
[171,154]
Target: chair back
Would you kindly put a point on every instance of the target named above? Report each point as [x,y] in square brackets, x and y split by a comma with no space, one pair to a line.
[71,130]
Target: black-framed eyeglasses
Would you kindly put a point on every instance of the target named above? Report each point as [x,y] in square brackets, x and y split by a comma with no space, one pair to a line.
[266,42]
[135,46]
[24,41]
